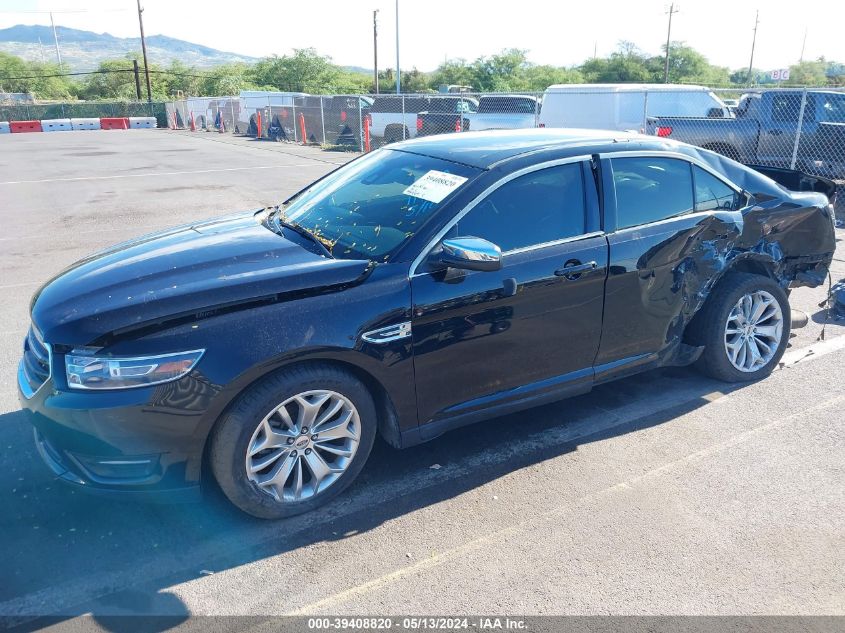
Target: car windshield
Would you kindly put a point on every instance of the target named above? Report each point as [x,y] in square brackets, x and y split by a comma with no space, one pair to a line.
[370,207]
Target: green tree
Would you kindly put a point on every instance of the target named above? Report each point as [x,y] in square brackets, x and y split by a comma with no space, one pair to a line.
[687,65]
[626,64]
[228,79]
[809,73]
[502,72]
[452,72]
[18,75]
[114,79]
[184,79]
[538,78]
[304,71]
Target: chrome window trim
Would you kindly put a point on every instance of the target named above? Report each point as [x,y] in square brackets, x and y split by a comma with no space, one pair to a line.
[480,198]
[564,240]
[676,155]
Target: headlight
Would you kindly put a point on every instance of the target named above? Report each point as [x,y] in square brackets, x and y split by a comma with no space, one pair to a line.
[86,370]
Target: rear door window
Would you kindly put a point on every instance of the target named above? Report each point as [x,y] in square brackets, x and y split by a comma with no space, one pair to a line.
[711,194]
[649,189]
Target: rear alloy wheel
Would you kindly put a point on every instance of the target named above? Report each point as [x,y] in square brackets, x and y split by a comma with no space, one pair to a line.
[753,331]
[293,441]
[744,328]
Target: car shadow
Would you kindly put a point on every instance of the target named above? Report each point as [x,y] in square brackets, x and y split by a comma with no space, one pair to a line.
[92,554]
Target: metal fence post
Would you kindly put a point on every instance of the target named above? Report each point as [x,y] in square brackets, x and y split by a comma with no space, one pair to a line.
[404,121]
[295,133]
[798,129]
[645,114]
[537,96]
[322,120]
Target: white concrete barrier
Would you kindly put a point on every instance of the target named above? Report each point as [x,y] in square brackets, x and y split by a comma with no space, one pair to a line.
[85,124]
[55,125]
[4,127]
[141,122]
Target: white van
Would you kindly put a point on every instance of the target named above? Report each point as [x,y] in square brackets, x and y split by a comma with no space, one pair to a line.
[624,106]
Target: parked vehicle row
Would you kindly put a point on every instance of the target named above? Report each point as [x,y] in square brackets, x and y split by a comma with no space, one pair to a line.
[759,129]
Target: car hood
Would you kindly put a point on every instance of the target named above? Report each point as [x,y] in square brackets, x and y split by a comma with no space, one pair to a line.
[182,273]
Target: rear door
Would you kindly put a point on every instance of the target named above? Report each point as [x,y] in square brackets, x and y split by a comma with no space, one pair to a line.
[529,330]
[673,221]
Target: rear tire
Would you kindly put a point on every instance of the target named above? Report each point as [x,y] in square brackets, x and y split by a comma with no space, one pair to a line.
[744,328]
[293,441]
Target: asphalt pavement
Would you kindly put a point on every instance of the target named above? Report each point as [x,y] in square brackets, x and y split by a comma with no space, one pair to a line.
[666,493]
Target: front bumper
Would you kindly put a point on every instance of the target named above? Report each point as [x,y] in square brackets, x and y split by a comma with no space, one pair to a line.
[144,443]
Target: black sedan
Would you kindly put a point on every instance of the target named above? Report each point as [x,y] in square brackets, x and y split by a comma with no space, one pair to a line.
[436,283]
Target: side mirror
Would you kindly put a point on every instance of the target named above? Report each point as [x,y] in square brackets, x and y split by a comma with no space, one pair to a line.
[469,253]
[715,113]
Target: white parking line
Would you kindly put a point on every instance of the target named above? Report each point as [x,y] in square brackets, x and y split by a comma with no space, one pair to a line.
[163,173]
[811,352]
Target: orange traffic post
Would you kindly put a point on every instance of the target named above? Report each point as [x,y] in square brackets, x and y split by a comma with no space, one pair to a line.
[193,123]
[367,133]
[302,128]
[458,125]
[258,121]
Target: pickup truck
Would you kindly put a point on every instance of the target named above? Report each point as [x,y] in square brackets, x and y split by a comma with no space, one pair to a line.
[393,118]
[764,129]
[494,112]
[446,114]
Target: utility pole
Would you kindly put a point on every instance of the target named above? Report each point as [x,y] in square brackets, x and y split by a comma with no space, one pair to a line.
[803,45]
[672,11]
[137,79]
[398,72]
[144,52]
[753,44]
[375,50]
[56,40]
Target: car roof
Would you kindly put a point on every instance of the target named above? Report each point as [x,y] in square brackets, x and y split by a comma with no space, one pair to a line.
[485,149]
[490,149]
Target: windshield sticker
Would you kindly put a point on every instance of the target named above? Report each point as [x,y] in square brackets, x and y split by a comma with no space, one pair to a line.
[434,186]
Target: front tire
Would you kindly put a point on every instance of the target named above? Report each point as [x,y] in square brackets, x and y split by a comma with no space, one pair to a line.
[744,328]
[293,441]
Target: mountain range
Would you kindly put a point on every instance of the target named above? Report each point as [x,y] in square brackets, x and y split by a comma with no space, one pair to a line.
[84,50]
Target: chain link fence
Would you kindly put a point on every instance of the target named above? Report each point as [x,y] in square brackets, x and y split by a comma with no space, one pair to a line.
[84,109]
[801,128]
[790,128]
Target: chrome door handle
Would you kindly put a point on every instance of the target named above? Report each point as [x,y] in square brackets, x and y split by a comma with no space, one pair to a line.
[573,270]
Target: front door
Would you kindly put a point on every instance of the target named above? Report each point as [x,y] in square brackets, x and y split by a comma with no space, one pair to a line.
[529,330]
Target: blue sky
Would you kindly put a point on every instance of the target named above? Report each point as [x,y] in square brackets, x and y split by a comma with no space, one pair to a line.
[554,32]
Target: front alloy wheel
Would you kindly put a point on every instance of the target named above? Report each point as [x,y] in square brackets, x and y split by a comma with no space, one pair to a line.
[294,440]
[303,445]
